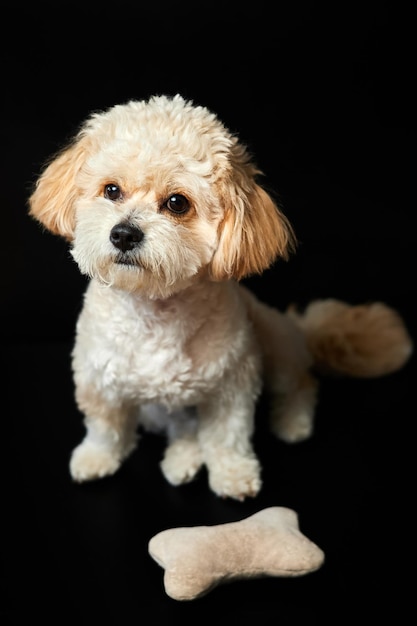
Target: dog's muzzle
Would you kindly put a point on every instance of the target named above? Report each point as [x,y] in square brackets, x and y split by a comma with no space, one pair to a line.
[126,237]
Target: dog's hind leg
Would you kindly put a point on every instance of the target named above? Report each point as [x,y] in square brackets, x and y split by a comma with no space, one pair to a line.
[292,411]
[287,361]
[182,458]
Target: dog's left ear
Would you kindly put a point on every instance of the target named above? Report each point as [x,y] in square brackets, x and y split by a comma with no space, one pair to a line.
[253,234]
[52,201]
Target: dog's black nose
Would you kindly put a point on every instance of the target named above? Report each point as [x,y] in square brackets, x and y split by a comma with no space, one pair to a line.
[125,236]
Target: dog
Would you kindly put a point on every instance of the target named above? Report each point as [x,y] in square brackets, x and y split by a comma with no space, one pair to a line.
[164,213]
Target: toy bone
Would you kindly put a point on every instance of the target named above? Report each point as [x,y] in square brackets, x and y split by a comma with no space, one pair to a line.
[268,543]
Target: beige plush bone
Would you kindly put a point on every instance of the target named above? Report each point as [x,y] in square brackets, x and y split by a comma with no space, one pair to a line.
[268,543]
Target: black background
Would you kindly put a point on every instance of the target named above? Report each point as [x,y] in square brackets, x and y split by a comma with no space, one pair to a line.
[321,94]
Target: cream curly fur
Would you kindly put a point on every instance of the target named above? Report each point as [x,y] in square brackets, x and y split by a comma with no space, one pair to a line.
[163,212]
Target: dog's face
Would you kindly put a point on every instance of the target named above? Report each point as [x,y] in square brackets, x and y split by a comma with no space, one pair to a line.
[153,195]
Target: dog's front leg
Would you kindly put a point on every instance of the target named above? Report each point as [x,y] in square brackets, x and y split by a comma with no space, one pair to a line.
[225,430]
[111,436]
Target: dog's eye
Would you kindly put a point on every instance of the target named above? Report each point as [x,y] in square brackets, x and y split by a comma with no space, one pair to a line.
[176,204]
[113,192]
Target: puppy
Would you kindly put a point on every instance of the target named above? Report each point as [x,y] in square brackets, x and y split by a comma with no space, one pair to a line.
[163,212]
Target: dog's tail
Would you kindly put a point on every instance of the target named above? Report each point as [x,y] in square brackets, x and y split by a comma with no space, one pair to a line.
[363,341]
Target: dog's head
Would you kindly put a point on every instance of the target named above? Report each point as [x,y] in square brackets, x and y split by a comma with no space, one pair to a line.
[152,194]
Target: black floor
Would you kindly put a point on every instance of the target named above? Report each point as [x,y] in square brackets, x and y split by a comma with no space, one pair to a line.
[323,101]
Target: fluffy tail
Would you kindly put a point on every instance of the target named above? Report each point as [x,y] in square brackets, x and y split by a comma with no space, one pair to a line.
[364,341]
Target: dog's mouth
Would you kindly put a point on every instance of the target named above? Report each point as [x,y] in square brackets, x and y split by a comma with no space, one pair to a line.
[126,259]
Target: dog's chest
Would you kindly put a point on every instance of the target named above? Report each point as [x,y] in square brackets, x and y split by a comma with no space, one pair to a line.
[143,351]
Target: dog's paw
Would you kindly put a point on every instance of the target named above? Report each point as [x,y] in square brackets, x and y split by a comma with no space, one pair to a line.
[181,462]
[90,461]
[293,429]
[234,476]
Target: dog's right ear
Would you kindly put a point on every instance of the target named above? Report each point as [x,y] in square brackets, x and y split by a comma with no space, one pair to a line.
[52,201]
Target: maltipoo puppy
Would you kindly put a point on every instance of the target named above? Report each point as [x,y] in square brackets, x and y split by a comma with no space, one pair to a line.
[164,214]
